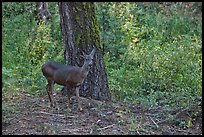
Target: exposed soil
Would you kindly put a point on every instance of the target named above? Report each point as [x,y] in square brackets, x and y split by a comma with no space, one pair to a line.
[31,115]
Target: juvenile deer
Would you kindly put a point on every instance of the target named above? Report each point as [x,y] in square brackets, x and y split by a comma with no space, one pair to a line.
[68,76]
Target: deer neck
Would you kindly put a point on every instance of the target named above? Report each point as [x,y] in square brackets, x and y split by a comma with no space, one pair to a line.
[84,70]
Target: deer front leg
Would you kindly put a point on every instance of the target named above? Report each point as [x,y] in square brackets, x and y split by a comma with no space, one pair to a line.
[53,98]
[68,95]
[49,91]
[77,94]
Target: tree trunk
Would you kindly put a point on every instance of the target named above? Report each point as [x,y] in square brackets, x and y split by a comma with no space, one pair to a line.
[42,11]
[80,34]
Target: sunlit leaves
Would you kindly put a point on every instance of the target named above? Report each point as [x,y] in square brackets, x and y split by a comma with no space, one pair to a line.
[26,46]
[152,49]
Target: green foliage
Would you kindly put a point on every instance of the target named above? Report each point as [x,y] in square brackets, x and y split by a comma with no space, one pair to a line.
[26,46]
[153,51]
[11,9]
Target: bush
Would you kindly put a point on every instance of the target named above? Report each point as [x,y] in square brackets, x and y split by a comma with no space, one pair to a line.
[28,46]
[154,51]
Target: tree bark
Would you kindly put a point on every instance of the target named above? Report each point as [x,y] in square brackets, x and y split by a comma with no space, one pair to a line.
[80,34]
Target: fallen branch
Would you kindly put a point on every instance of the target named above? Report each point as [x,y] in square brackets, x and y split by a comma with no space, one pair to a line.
[185,131]
[154,122]
[55,114]
[138,133]
[105,127]
[162,121]
[12,132]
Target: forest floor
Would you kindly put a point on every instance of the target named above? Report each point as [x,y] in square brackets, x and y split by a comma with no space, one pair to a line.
[25,114]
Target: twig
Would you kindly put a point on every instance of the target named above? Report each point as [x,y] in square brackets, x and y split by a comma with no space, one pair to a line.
[54,114]
[50,114]
[182,131]
[14,130]
[163,121]
[151,114]
[138,132]
[154,122]
[106,127]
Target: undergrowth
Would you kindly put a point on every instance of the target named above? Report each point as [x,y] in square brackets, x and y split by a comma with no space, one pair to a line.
[152,50]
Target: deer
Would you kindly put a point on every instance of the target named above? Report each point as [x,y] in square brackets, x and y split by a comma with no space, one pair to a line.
[67,76]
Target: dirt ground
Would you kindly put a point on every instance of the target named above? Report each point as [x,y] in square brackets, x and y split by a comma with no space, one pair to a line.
[25,114]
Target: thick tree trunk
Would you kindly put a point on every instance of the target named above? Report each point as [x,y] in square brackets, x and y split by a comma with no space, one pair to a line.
[80,34]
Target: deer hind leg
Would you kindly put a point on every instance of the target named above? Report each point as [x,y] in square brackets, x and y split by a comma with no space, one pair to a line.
[49,91]
[68,95]
[78,100]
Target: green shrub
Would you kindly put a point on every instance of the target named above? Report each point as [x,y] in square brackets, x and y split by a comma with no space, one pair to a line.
[26,46]
[154,52]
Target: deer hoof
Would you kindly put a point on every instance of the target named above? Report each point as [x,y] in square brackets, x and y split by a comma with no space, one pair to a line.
[69,110]
[80,109]
[51,105]
[57,108]
[55,104]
